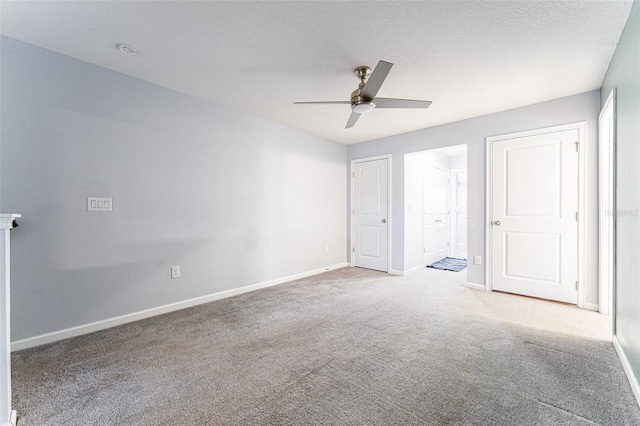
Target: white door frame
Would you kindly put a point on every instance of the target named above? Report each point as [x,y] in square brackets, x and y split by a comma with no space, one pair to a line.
[389,218]
[582,129]
[606,228]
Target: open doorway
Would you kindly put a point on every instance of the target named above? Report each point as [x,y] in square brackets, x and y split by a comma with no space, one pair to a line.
[435,206]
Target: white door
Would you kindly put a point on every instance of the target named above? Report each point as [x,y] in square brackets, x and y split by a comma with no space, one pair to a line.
[435,222]
[461,214]
[371,214]
[534,215]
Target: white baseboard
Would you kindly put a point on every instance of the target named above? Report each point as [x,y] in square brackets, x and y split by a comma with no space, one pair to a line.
[475,286]
[12,419]
[633,380]
[135,316]
[591,306]
[415,268]
[395,272]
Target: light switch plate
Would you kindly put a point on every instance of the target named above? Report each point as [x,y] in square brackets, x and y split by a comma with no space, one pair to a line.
[99,204]
[477,259]
[175,272]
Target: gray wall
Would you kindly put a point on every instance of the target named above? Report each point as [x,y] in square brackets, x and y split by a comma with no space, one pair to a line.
[231,198]
[571,109]
[624,75]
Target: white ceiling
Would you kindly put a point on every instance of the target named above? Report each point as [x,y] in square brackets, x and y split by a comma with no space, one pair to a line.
[469,58]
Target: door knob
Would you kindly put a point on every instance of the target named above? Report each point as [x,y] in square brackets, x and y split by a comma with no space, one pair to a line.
[384,220]
[497,223]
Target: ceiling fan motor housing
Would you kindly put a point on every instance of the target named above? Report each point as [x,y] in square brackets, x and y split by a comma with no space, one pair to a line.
[360,104]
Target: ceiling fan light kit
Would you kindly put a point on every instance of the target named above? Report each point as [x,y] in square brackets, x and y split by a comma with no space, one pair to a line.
[363,106]
[363,99]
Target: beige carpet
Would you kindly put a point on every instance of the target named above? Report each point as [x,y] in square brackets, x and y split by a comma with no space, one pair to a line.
[348,347]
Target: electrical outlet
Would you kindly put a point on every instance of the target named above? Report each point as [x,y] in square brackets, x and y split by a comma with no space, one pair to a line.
[175,272]
[477,259]
[326,248]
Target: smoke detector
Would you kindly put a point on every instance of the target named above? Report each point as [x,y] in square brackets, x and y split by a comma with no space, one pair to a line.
[128,49]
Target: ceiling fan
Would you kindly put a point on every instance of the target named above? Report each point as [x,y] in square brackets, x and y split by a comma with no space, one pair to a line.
[364,100]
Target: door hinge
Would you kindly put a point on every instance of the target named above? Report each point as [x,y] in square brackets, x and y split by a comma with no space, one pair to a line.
[447,243]
[577,146]
[577,217]
[353,249]
[577,286]
[353,212]
[353,174]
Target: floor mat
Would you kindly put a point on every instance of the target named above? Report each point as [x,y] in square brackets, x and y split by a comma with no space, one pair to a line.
[449,264]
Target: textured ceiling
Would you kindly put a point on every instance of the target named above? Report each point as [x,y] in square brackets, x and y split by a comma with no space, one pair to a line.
[469,58]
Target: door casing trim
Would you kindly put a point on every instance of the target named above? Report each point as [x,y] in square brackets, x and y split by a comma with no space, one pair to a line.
[389,209]
[582,137]
[607,283]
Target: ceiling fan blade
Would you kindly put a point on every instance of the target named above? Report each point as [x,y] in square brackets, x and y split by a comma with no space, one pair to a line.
[324,102]
[376,79]
[352,119]
[401,103]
